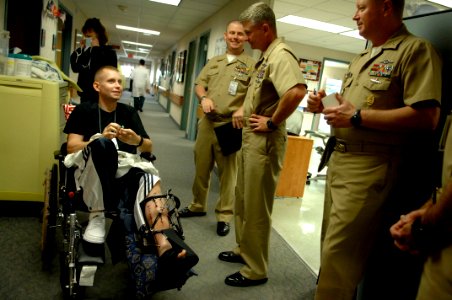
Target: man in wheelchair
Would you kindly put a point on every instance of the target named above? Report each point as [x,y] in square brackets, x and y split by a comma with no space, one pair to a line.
[102,143]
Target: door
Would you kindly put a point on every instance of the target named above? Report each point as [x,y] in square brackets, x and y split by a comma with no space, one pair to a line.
[201,61]
[188,89]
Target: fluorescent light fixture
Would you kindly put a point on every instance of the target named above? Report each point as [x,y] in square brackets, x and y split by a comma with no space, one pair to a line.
[138,44]
[353,34]
[138,51]
[313,24]
[145,31]
[170,2]
[447,3]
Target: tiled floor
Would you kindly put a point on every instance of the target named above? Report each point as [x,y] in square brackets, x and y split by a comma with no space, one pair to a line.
[298,220]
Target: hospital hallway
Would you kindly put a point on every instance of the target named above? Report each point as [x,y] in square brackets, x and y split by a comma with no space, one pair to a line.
[294,240]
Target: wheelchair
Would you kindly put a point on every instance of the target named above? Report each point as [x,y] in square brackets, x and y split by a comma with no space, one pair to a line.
[63,226]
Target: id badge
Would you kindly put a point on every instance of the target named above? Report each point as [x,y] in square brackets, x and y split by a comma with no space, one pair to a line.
[233,87]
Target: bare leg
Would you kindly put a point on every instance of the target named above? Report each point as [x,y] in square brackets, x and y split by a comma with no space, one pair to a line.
[152,211]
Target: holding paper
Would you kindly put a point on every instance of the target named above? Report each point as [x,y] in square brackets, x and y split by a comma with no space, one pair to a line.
[330,100]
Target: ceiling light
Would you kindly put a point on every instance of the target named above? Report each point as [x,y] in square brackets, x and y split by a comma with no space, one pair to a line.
[138,44]
[170,2]
[354,34]
[153,32]
[313,24]
[138,51]
[447,3]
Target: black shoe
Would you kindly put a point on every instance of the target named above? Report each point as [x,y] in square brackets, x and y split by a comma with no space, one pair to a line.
[237,279]
[186,213]
[223,228]
[230,256]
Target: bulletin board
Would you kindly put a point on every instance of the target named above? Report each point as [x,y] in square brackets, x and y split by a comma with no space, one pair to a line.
[310,69]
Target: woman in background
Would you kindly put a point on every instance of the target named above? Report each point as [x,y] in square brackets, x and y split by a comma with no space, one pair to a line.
[92,54]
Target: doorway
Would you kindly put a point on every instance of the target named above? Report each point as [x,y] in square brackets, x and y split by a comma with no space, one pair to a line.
[201,61]
[189,93]
[63,45]
[333,72]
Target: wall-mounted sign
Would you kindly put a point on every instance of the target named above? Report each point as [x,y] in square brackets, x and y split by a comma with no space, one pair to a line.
[310,68]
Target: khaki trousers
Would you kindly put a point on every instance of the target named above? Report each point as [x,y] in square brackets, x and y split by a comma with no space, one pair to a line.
[357,187]
[260,163]
[436,280]
[207,152]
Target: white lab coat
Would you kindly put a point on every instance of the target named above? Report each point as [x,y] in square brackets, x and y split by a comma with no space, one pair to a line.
[141,81]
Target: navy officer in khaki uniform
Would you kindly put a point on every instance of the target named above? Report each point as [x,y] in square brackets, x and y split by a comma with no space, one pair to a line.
[382,132]
[221,88]
[276,89]
[429,230]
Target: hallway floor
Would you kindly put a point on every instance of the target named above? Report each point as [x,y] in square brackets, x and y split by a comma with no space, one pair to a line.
[299,220]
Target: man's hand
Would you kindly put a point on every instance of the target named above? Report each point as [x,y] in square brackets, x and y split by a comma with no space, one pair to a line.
[339,116]
[315,101]
[259,123]
[237,118]
[129,136]
[207,105]
[401,231]
[111,131]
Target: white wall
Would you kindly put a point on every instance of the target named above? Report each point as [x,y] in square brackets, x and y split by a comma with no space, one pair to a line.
[49,24]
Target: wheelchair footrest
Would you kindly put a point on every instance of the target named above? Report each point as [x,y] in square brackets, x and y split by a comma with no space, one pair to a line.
[87,274]
[91,253]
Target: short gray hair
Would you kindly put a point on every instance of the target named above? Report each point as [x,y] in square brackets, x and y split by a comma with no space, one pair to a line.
[259,13]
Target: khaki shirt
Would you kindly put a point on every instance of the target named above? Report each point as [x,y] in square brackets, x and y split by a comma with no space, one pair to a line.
[406,70]
[218,75]
[276,72]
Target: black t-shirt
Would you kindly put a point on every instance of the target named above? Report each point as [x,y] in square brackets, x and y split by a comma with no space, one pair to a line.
[84,120]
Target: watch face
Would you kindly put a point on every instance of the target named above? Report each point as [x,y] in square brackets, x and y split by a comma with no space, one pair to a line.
[270,124]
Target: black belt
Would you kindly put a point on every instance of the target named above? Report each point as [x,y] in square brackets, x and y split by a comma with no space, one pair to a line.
[343,146]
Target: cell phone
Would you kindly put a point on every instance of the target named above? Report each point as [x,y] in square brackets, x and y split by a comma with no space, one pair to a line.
[88,42]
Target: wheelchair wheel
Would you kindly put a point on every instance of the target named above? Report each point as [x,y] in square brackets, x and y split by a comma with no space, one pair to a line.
[69,268]
[49,217]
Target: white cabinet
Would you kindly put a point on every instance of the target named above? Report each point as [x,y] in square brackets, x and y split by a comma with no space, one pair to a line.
[31,130]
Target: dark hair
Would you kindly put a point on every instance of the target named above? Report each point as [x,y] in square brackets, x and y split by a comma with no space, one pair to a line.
[142,62]
[95,25]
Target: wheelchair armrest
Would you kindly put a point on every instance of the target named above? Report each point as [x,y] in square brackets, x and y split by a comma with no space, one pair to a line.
[60,154]
[148,156]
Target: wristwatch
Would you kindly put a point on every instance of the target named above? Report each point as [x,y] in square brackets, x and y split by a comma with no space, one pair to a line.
[356,118]
[141,142]
[422,234]
[270,125]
